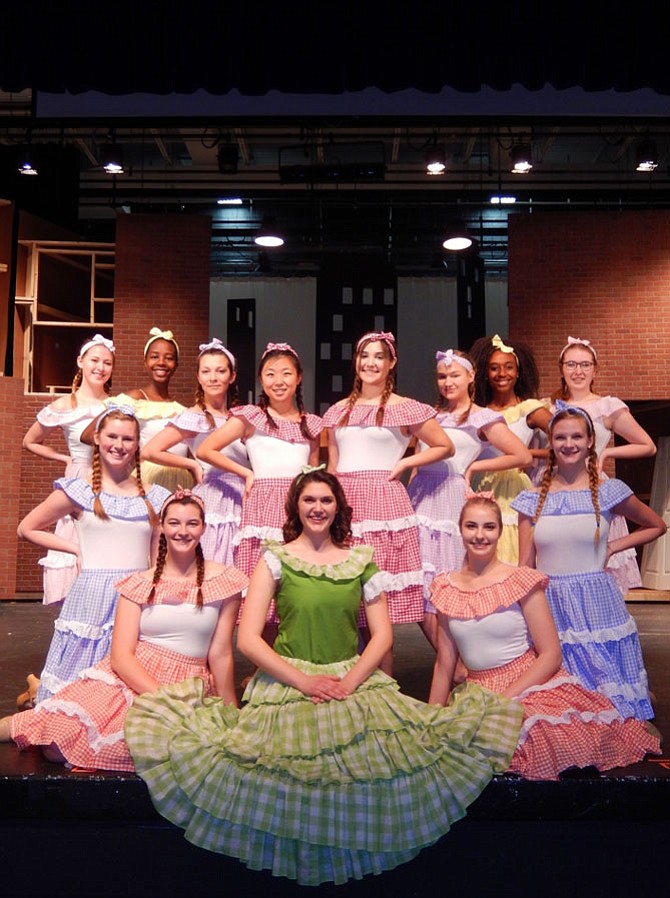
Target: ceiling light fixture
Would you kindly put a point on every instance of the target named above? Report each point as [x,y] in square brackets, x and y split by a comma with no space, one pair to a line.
[646,157]
[522,158]
[500,200]
[112,159]
[269,235]
[435,160]
[27,164]
[230,201]
[457,238]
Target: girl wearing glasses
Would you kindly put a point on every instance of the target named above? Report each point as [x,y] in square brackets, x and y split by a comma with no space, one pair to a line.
[578,364]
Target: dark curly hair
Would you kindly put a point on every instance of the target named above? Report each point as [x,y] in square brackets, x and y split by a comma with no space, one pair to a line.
[340,529]
[528,382]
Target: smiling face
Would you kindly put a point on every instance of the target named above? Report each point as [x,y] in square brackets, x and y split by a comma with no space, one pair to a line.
[117,440]
[570,441]
[480,529]
[374,363]
[453,382]
[502,372]
[182,525]
[161,361]
[279,378]
[96,364]
[317,507]
[215,374]
[578,369]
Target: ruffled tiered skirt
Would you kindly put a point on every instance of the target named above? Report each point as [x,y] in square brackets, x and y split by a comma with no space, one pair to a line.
[85,720]
[318,792]
[83,630]
[383,517]
[437,500]
[221,492]
[599,639]
[566,725]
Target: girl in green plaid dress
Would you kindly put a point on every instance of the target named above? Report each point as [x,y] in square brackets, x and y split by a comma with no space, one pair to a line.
[328,772]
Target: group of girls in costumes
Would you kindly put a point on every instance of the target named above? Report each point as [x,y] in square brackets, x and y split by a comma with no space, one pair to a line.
[332,560]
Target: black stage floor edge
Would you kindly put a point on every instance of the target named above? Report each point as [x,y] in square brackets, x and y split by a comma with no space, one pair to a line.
[72,833]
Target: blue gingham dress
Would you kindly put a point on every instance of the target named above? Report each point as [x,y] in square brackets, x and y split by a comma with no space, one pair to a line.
[110,550]
[598,636]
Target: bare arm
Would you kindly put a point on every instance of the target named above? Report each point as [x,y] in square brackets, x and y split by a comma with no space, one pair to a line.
[220,656]
[445,663]
[125,636]
[210,449]
[33,526]
[638,442]
[381,641]
[157,451]
[515,454]
[438,443]
[34,439]
[544,637]
[650,525]
[527,555]
[333,452]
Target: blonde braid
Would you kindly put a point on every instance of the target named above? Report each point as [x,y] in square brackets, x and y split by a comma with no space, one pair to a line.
[388,390]
[160,564]
[200,575]
[96,484]
[544,485]
[351,402]
[594,483]
[200,402]
[153,517]
[76,383]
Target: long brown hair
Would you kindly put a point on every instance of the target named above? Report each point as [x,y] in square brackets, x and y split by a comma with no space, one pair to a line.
[263,401]
[340,529]
[389,386]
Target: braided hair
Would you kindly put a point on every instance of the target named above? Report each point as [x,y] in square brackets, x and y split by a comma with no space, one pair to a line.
[161,556]
[591,466]
[355,394]
[96,468]
[441,402]
[263,401]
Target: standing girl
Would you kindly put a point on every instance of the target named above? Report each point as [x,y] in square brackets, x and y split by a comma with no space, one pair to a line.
[507,381]
[496,619]
[221,491]
[578,363]
[172,622]
[368,435]
[563,529]
[72,414]
[438,490]
[280,437]
[114,520]
[328,773]
[154,407]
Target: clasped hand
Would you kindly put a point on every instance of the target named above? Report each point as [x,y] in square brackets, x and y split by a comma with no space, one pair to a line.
[323,688]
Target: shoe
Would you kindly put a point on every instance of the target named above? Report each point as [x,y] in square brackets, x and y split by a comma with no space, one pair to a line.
[26,700]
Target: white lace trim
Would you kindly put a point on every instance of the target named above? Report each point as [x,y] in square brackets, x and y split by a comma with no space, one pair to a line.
[607,634]
[621,559]
[52,683]
[378,583]
[632,692]
[263,533]
[56,560]
[273,563]
[552,684]
[71,709]
[510,519]
[442,526]
[372,526]
[85,631]
[214,520]
[601,717]
[397,582]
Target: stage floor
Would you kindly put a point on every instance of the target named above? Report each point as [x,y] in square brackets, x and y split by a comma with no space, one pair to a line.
[76,833]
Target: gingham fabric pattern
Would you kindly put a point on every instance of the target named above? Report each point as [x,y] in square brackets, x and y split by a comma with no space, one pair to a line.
[318,792]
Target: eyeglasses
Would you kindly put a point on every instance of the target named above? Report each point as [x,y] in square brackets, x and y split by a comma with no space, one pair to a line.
[583,365]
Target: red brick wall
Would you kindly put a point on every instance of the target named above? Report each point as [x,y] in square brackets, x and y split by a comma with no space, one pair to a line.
[162,279]
[602,276]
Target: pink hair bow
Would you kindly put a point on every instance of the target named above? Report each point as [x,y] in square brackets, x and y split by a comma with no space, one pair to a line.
[384,336]
[279,347]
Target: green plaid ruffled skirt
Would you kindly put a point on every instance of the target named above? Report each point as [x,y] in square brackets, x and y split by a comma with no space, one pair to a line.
[318,792]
